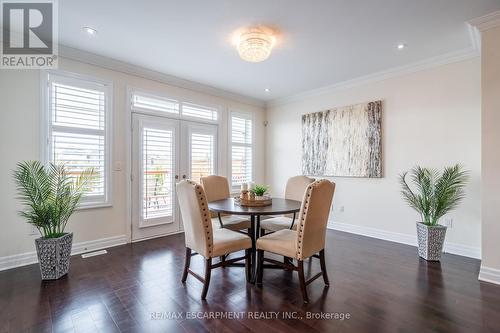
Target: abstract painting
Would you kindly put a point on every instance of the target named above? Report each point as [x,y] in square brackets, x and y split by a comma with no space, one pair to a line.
[344,141]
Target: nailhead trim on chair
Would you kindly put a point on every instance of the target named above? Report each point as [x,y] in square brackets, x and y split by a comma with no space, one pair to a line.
[206,221]
[303,214]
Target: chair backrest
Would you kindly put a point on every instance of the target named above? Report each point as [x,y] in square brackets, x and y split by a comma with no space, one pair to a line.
[195,217]
[313,218]
[216,187]
[295,187]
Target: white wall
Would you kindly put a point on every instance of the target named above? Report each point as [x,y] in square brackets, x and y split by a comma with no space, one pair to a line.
[431,118]
[19,140]
[490,266]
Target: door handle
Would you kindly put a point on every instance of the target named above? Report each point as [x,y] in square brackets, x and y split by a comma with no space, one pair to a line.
[183,176]
[176,176]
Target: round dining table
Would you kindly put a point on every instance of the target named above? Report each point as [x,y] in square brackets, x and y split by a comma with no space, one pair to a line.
[277,207]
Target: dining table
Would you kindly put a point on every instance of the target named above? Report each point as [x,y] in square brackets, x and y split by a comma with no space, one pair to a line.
[278,206]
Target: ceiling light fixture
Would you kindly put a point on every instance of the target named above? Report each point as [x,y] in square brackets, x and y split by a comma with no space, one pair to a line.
[90,31]
[402,46]
[255,44]
[267,90]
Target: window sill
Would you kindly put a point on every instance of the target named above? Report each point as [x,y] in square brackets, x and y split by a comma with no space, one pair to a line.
[93,205]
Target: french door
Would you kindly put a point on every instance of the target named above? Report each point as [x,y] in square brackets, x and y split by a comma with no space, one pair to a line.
[165,151]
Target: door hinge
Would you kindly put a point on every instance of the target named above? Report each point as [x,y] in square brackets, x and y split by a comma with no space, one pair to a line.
[131,177]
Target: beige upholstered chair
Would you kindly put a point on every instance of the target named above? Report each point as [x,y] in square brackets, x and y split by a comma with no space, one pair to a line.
[294,190]
[309,238]
[217,188]
[205,240]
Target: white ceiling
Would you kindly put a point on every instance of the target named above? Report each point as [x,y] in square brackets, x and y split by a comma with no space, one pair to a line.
[324,42]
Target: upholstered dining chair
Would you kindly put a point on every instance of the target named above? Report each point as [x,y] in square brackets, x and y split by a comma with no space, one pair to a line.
[294,190]
[305,242]
[217,188]
[205,240]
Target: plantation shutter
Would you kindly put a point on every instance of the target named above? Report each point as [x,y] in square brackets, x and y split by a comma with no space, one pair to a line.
[198,111]
[78,131]
[143,101]
[241,150]
[202,155]
[158,164]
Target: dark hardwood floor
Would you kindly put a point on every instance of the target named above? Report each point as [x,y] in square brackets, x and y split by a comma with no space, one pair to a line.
[381,286]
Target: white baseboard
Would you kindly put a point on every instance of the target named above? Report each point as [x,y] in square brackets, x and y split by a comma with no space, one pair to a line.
[28,258]
[98,244]
[462,250]
[489,274]
[157,236]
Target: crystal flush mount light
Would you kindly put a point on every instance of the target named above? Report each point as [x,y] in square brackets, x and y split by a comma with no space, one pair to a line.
[254,44]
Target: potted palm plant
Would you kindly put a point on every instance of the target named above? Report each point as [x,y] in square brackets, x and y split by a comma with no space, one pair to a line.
[50,196]
[432,195]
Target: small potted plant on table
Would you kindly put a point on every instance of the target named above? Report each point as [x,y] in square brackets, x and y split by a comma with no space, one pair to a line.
[258,191]
[433,195]
[50,196]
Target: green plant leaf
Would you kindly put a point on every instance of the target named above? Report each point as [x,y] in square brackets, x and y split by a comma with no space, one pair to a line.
[259,190]
[434,193]
[49,195]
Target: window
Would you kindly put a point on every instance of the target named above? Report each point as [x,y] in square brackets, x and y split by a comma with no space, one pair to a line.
[202,155]
[197,111]
[153,103]
[158,166]
[148,103]
[77,131]
[241,149]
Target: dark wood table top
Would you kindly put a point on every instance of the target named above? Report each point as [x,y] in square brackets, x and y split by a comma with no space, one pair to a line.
[278,206]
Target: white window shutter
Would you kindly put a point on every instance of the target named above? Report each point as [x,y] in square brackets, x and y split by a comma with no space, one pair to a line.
[78,132]
[241,150]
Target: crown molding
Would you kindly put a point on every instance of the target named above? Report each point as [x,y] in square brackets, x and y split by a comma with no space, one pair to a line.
[437,61]
[127,68]
[475,37]
[486,22]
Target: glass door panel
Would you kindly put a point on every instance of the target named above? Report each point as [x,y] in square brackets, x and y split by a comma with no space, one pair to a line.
[155,167]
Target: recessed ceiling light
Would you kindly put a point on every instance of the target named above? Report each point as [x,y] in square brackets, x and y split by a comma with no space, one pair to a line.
[90,31]
[267,90]
[402,46]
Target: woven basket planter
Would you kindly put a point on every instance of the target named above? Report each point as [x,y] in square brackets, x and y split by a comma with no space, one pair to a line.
[54,256]
[430,241]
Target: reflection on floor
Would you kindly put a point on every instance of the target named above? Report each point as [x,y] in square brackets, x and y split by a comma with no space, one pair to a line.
[381,286]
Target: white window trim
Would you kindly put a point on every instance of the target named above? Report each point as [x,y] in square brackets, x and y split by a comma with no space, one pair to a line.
[245,115]
[162,96]
[45,129]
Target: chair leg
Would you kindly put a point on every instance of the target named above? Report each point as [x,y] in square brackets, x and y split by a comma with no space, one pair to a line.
[208,270]
[287,261]
[302,281]
[222,259]
[262,232]
[323,267]
[260,266]
[187,262]
[248,265]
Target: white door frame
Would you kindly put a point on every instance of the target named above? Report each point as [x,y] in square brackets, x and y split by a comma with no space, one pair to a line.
[129,138]
[143,228]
